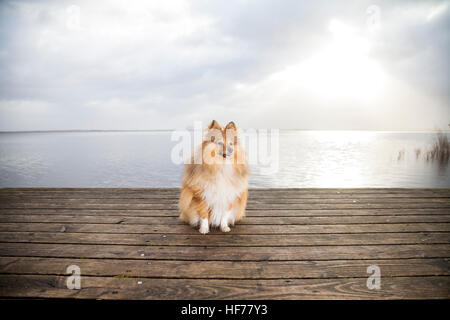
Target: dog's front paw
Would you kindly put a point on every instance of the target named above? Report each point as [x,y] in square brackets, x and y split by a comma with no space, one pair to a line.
[204,226]
[204,230]
[225,228]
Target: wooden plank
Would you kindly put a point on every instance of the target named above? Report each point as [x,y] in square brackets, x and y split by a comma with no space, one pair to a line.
[253,195]
[249,213]
[278,206]
[12,201]
[226,269]
[225,253]
[249,220]
[44,286]
[260,196]
[227,239]
[238,229]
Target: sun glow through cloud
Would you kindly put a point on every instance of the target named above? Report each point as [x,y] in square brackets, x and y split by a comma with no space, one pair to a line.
[341,69]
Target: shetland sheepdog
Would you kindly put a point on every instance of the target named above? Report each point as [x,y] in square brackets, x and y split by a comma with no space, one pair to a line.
[215,183]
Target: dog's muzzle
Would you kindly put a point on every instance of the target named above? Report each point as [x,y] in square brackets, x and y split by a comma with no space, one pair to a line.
[228,153]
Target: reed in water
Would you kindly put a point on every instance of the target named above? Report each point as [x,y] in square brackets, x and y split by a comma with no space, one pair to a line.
[440,150]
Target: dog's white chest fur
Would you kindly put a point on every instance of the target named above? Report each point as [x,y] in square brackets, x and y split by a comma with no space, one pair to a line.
[222,192]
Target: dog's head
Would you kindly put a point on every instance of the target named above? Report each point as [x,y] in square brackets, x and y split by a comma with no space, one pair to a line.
[220,144]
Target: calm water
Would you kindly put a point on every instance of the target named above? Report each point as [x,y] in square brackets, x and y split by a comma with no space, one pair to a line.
[142,159]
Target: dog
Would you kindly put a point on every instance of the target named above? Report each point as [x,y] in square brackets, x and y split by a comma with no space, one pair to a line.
[214,190]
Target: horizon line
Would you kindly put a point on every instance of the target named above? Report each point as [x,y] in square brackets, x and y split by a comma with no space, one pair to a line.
[191,129]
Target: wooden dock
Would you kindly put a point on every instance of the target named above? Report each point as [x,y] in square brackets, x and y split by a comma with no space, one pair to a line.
[293,244]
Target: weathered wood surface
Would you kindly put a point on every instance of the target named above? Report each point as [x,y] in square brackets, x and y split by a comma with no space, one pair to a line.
[294,244]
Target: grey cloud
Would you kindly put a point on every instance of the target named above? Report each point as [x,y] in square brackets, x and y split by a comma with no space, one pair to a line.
[99,78]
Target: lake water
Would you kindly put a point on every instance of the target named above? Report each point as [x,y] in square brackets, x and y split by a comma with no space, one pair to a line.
[143,159]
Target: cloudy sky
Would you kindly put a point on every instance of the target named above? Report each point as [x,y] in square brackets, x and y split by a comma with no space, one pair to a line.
[370,65]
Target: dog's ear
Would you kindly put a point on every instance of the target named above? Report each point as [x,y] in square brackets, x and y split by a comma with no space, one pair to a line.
[214,125]
[231,126]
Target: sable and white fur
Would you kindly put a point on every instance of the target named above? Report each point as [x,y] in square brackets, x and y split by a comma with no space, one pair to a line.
[214,192]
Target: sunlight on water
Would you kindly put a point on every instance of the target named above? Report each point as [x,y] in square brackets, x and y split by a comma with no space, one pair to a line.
[142,159]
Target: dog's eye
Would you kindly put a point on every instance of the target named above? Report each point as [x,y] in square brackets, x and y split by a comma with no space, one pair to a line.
[220,143]
[231,143]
